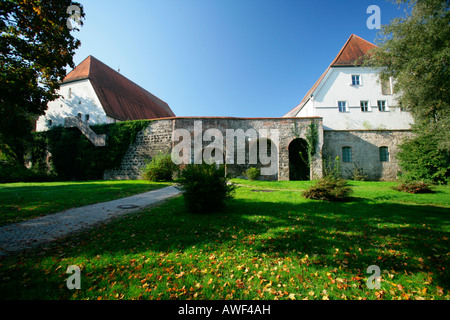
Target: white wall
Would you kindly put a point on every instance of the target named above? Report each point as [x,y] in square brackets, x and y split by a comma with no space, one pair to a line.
[82,99]
[336,86]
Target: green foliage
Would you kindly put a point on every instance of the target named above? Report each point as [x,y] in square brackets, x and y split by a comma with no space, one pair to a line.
[36,48]
[414,187]
[253,173]
[415,51]
[332,168]
[357,174]
[421,159]
[74,157]
[14,172]
[329,189]
[312,140]
[206,187]
[160,168]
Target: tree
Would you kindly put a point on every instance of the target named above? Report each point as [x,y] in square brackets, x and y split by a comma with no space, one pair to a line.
[36,45]
[414,50]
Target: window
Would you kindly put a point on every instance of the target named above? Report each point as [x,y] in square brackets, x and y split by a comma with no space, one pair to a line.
[386,87]
[342,106]
[70,93]
[382,105]
[364,106]
[86,118]
[49,123]
[356,80]
[79,115]
[384,154]
[347,154]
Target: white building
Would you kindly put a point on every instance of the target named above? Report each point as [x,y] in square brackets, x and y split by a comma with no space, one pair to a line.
[351,97]
[97,94]
[363,123]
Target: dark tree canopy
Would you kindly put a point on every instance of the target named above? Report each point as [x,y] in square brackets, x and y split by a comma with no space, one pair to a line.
[36,45]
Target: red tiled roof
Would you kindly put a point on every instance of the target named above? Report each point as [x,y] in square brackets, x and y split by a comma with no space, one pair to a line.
[121,98]
[351,54]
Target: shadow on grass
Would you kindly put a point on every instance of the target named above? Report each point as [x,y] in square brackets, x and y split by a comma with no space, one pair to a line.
[404,238]
[347,236]
[22,202]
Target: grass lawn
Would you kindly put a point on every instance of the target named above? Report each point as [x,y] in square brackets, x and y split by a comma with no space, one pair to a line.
[264,245]
[22,201]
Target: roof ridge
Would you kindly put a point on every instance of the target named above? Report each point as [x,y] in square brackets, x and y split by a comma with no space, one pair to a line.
[353,36]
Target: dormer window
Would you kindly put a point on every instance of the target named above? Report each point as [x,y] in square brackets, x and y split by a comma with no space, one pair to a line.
[356,80]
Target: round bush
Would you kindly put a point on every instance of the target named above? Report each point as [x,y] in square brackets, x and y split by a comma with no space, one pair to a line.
[205,187]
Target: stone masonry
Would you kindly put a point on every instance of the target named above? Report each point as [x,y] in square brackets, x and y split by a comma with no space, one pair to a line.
[365,148]
[158,137]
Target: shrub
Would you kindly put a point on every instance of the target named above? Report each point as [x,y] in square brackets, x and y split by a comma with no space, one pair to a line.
[10,173]
[206,188]
[357,174]
[329,189]
[414,187]
[74,157]
[253,173]
[422,159]
[160,168]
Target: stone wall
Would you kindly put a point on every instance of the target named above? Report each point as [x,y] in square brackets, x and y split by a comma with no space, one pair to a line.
[158,137]
[365,146]
[155,138]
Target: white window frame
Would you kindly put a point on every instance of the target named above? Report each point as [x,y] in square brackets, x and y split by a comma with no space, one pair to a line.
[386,108]
[345,106]
[367,106]
[359,80]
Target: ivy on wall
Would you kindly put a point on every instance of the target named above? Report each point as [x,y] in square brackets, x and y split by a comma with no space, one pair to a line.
[74,157]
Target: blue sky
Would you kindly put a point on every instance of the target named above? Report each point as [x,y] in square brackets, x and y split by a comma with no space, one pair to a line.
[238,58]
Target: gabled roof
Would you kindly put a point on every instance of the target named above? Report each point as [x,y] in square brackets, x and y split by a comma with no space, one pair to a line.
[121,98]
[351,55]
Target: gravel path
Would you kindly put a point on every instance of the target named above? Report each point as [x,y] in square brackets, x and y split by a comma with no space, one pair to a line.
[35,232]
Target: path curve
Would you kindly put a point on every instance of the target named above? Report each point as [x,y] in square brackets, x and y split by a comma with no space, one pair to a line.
[31,233]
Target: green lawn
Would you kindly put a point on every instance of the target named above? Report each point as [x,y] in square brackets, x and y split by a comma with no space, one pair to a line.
[264,245]
[22,201]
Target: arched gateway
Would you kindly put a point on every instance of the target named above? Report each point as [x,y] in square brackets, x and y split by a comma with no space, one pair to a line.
[234,138]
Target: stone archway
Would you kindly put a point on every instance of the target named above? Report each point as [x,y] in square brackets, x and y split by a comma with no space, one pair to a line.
[299,168]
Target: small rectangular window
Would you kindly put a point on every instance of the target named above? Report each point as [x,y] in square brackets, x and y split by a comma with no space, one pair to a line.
[347,154]
[86,118]
[356,80]
[342,106]
[384,154]
[386,87]
[364,106]
[382,105]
